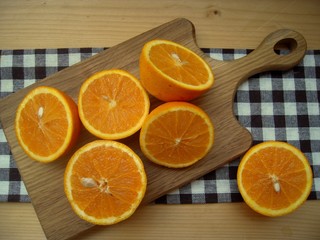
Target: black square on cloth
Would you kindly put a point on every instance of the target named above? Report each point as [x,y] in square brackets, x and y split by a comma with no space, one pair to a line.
[13,198]
[279,121]
[211,197]
[185,198]
[255,96]
[278,96]
[303,121]
[236,197]
[301,96]
[40,73]
[298,72]
[14,175]
[17,73]
[305,145]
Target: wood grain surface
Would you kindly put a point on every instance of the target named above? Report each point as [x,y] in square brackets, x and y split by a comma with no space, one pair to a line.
[183,221]
[99,23]
[219,24]
[49,199]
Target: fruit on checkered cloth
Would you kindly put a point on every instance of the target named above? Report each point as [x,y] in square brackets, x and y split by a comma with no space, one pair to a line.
[176,134]
[113,104]
[172,72]
[105,182]
[274,178]
[47,123]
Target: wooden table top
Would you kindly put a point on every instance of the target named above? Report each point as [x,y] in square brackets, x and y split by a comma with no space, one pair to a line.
[219,24]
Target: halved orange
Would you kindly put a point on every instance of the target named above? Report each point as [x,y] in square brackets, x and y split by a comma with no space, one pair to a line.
[176,134]
[172,72]
[274,178]
[47,123]
[105,182]
[113,104]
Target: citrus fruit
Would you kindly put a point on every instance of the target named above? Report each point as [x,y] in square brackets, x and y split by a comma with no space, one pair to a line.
[47,123]
[172,72]
[105,182]
[176,134]
[274,178]
[113,104]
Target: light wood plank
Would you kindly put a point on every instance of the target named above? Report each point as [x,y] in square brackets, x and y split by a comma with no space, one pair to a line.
[199,221]
[96,23]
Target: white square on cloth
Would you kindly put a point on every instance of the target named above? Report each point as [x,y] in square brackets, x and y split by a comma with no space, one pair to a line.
[292,134]
[74,58]
[290,108]
[316,159]
[23,190]
[28,82]
[314,132]
[308,61]
[4,187]
[223,186]
[5,161]
[6,61]
[6,85]
[265,84]
[244,109]
[267,109]
[51,60]
[197,187]
[2,136]
[269,134]
[288,84]
[29,60]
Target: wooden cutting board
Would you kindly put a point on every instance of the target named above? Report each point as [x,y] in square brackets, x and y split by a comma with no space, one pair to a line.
[44,182]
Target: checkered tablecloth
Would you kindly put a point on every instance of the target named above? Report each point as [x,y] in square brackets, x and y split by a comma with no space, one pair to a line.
[272,106]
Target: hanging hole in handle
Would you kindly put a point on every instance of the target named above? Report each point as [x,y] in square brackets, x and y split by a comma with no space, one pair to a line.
[285,46]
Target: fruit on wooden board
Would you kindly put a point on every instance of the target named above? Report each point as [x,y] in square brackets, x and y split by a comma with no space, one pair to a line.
[176,134]
[47,124]
[113,104]
[105,182]
[172,72]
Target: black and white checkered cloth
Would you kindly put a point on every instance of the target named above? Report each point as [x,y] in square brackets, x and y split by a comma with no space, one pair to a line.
[272,106]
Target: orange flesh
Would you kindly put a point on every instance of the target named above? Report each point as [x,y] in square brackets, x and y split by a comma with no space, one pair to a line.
[183,142]
[117,175]
[117,104]
[257,178]
[44,135]
[179,64]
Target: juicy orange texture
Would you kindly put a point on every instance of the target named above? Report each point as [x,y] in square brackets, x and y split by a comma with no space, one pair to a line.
[274,178]
[176,134]
[105,182]
[47,123]
[172,72]
[113,104]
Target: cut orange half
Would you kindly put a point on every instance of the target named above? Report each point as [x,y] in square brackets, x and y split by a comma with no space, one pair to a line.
[176,134]
[113,104]
[47,123]
[172,72]
[105,182]
[274,178]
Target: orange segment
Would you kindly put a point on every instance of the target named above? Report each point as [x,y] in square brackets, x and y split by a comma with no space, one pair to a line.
[172,72]
[274,178]
[176,134]
[47,123]
[105,182]
[113,104]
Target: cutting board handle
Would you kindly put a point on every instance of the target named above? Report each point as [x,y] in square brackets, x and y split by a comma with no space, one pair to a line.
[266,56]
[290,40]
